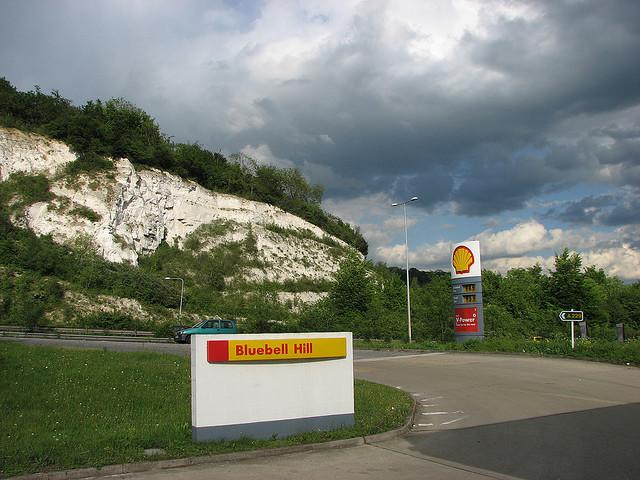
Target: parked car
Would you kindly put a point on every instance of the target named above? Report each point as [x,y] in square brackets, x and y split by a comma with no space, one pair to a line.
[209,326]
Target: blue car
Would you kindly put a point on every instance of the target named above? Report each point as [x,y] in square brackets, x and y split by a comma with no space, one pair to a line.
[210,326]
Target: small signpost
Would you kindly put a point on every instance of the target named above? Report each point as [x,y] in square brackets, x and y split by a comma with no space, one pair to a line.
[572,316]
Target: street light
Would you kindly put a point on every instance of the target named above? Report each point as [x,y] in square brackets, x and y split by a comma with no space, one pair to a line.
[181,293]
[406,249]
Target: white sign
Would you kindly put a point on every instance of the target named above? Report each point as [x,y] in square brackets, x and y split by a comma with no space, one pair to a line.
[465,260]
[267,385]
[571,316]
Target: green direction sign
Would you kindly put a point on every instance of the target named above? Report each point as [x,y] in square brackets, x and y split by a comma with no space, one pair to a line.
[571,316]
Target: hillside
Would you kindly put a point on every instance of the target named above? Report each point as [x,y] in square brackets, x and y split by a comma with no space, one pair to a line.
[131,215]
[116,129]
[128,213]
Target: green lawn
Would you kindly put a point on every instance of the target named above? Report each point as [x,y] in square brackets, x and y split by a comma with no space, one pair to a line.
[64,408]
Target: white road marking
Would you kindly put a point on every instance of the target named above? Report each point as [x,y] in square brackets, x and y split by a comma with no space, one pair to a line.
[430,399]
[428,404]
[416,394]
[380,359]
[442,413]
[453,421]
[576,397]
[425,425]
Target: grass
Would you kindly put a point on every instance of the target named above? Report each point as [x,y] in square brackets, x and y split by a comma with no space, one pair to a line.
[86,212]
[600,350]
[336,248]
[66,408]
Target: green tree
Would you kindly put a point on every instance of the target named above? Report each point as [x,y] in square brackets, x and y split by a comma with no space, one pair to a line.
[432,309]
[352,291]
[131,132]
[567,282]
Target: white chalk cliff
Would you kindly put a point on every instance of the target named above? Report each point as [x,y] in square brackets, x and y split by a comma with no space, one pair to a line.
[133,211]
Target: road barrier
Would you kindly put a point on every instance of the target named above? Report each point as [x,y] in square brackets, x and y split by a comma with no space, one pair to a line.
[80,334]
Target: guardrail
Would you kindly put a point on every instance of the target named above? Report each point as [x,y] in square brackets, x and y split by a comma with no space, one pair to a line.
[79,331]
[80,334]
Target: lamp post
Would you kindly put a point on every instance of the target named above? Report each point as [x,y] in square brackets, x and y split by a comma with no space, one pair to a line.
[406,250]
[181,293]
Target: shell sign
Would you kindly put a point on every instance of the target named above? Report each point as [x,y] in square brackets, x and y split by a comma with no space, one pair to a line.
[465,260]
[462,259]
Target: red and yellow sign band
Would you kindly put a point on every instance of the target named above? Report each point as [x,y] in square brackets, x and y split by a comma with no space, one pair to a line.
[219,351]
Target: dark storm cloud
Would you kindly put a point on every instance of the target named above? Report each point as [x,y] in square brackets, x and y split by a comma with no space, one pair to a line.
[481,127]
[497,185]
[610,210]
[574,60]
[583,211]
[625,213]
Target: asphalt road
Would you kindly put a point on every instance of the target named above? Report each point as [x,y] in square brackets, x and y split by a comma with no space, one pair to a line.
[479,416]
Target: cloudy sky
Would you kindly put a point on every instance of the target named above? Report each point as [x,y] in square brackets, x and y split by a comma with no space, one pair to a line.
[516,123]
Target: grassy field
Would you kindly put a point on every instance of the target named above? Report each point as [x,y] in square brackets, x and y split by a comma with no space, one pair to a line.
[64,408]
[600,350]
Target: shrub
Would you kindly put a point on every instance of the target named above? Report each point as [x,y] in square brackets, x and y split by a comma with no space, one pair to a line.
[86,212]
[88,162]
[22,190]
[111,321]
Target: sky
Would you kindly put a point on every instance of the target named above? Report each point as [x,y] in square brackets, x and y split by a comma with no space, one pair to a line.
[516,123]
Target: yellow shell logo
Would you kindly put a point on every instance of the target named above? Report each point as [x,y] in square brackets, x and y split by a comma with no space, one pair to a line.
[462,259]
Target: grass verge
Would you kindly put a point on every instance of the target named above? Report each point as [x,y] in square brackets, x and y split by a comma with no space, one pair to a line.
[600,350]
[66,408]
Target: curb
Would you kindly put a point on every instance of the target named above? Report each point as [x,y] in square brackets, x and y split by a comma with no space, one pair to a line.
[124,468]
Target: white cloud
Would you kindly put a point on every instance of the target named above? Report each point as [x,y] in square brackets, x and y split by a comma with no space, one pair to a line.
[503,265]
[397,223]
[263,155]
[526,244]
[524,237]
[425,256]
[357,210]
[531,236]
[392,255]
[374,235]
[623,261]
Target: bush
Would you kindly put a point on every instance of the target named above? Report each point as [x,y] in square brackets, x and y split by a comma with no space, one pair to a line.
[163,329]
[88,162]
[85,212]
[26,297]
[111,321]
[22,190]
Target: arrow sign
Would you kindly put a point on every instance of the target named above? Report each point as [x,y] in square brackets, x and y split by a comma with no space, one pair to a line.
[571,316]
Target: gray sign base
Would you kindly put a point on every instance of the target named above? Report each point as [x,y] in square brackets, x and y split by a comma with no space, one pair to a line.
[271,429]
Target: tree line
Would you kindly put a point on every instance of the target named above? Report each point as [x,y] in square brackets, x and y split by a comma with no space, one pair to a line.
[370,300]
[116,128]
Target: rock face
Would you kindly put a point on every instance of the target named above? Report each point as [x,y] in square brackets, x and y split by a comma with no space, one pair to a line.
[127,213]
[28,152]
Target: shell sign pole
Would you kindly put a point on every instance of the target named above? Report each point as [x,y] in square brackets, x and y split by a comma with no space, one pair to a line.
[466,279]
